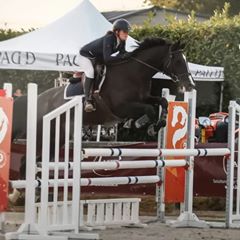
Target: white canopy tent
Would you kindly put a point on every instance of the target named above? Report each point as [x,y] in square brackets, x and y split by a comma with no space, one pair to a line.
[56,46]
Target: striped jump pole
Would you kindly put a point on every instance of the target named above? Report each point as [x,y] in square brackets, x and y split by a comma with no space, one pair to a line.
[103,181]
[126,152]
[116,164]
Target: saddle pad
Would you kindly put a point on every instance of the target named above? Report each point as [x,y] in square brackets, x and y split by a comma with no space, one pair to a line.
[73,89]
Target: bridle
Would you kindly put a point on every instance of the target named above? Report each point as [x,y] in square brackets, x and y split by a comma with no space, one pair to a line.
[174,77]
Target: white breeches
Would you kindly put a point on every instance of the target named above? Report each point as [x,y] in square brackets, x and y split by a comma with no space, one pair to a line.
[86,66]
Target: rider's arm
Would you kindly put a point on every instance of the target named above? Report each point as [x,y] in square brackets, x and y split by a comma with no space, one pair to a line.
[108,51]
[123,47]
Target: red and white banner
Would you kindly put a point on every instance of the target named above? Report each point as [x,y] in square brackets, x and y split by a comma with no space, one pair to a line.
[176,139]
[6,108]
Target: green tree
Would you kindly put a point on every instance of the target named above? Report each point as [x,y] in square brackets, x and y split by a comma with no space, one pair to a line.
[200,6]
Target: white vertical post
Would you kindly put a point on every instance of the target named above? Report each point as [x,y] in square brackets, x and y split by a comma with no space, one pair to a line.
[29,225]
[77,157]
[221,97]
[8,88]
[238,172]
[230,164]
[31,153]
[56,170]
[98,132]
[66,167]
[45,175]
[161,171]
[191,145]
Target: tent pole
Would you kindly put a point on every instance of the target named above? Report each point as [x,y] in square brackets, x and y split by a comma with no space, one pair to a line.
[221,97]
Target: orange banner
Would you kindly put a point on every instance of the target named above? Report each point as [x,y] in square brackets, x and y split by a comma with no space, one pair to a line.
[176,139]
[6,108]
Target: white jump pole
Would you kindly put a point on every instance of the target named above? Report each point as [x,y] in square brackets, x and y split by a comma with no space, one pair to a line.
[116,164]
[126,152]
[103,181]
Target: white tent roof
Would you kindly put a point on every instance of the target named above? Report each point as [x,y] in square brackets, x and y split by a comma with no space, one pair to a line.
[56,46]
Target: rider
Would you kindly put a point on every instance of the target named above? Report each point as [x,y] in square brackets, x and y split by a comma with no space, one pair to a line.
[101,50]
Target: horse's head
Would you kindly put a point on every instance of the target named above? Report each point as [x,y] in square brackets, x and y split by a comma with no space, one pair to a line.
[176,67]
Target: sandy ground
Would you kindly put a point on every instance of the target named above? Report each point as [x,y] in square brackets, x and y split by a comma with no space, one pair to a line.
[157,231]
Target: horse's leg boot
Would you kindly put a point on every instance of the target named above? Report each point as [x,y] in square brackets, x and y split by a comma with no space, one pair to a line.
[88,105]
[142,121]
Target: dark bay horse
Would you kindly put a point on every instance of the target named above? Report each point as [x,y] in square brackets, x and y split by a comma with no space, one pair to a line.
[125,93]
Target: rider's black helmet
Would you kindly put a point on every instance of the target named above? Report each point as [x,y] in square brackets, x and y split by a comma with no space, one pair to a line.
[121,24]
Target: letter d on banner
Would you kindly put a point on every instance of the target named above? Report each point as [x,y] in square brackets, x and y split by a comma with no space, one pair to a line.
[6,108]
[177,126]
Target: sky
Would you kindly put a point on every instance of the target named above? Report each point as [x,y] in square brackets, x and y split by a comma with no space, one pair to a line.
[17,14]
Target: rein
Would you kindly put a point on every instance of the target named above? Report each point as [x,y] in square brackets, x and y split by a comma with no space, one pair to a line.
[146,64]
[173,77]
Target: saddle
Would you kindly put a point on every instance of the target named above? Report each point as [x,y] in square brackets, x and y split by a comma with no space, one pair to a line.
[99,73]
[75,88]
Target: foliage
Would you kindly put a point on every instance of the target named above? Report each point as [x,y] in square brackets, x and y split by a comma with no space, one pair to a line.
[214,42]
[200,6]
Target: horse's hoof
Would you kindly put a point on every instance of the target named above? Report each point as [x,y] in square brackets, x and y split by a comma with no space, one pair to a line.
[89,108]
[151,131]
[13,197]
[128,124]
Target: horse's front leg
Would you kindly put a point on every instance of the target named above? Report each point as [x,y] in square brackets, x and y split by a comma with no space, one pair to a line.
[142,113]
[164,104]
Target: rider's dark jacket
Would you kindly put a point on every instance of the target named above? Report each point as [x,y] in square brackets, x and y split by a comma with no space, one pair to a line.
[102,48]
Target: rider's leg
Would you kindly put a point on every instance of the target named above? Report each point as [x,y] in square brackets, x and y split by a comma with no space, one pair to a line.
[86,64]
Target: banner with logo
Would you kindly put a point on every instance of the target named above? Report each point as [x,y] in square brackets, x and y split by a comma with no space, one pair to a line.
[6,108]
[176,139]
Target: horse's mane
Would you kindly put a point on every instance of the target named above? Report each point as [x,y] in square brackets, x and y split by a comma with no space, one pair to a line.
[151,42]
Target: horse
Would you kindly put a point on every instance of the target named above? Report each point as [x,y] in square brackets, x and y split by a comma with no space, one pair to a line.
[125,93]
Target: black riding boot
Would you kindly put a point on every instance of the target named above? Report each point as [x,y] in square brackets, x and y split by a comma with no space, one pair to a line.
[88,104]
